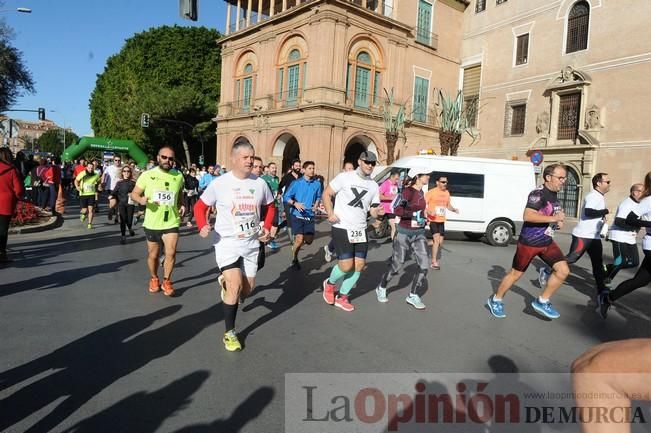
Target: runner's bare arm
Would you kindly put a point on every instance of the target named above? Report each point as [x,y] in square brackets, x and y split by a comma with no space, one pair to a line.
[376,210]
[532,216]
[328,194]
[137,195]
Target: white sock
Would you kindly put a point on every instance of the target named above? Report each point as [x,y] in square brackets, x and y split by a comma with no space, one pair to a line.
[542,300]
[496,299]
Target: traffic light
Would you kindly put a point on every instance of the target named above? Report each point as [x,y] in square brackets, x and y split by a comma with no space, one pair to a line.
[41,114]
[144,120]
[188,9]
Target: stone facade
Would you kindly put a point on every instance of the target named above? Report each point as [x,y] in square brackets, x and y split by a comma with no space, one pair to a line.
[309,78]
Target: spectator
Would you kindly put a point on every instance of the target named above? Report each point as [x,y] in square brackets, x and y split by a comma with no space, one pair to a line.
[11,190]
[207,178]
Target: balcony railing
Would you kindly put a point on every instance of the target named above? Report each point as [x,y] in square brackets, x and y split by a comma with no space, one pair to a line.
[377,6]
[426,37]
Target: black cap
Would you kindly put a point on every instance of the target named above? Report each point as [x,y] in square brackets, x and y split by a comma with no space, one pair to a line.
[368,156]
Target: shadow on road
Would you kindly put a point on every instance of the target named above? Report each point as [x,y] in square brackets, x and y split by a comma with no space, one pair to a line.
[92,363]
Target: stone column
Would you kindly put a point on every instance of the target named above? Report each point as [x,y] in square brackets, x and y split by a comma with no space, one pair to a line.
[272,7]
[284,5]
[259,10]
[228,18]
[249,11]
[364,4]
[237,15]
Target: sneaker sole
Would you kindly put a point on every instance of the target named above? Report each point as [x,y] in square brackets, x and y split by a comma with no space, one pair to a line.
[543,312]
[416,307]
[488,304]
[232,349]
[347,309]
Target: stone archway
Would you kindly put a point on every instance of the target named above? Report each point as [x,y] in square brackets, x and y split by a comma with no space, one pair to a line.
[356,146]
[287,148]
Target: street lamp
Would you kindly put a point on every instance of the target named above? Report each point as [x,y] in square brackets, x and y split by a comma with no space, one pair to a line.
[21,10]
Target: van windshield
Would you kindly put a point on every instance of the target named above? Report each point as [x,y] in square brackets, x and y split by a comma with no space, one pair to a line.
[384,174]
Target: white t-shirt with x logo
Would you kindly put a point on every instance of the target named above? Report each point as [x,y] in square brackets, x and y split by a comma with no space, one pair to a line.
[355,195]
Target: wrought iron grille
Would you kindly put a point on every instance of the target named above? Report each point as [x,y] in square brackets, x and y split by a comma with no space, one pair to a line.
[480,6]
[577,27]
[568,116]
[568,196]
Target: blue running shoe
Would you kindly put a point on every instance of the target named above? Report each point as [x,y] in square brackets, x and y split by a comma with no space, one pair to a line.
[273,245]
[496,307]
[545,309]
[543,276]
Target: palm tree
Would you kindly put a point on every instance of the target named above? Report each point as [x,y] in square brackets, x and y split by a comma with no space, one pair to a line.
[455,119]
[394,125]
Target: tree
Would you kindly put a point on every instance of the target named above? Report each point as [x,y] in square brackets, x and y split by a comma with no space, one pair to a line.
[394,125]
[52,141]
[171,73]
[454,120]
[15,78]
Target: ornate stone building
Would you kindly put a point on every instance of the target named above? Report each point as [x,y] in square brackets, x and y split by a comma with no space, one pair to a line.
[569,78]
[308,78]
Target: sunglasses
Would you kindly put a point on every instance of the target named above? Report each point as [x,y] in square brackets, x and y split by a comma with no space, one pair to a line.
[126,171]
[117,160]
[166,158]
[442,181]
[371,163]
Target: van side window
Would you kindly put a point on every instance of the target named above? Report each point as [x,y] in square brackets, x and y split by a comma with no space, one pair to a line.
[461,184]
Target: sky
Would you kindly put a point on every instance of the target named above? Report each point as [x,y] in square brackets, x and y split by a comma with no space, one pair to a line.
[65,44]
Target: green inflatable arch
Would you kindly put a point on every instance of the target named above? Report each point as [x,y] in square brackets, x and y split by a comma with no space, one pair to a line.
[100,143]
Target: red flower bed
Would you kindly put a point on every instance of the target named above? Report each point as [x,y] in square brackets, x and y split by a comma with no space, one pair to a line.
[26,213]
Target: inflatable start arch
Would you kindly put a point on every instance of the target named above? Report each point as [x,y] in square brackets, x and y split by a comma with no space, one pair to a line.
[109,144]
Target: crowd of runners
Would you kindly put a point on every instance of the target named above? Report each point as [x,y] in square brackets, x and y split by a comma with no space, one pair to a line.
[249,205]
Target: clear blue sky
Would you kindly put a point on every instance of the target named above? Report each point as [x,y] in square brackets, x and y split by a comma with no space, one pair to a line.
[65,44]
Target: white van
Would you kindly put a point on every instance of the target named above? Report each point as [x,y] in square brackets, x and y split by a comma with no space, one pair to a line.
[490,193]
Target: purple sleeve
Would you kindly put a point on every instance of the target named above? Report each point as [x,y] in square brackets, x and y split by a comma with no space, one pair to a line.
[535,200]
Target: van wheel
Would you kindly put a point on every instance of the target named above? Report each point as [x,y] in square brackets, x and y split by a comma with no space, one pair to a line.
[473,236]
[499,233]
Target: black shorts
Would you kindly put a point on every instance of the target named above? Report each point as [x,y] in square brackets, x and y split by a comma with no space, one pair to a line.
[344,249]
[302,226]
[86,201]
[437,228]
[388,216]
[157,235]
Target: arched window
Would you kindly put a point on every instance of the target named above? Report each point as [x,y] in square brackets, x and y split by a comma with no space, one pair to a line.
[568,196]
[244,88]
[292,77]
[577,27]
[362,72]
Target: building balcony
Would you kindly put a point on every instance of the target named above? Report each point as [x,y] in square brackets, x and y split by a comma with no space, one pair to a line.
[242,14]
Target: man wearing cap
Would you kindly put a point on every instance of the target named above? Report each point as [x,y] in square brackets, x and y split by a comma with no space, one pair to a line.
[357,194]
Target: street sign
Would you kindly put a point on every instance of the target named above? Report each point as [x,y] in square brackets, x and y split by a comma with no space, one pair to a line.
[536,157]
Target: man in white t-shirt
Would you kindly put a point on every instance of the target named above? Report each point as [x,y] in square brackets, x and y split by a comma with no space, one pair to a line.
[624,236]
[356,194]
[109,180]
[586,236]
[239,199]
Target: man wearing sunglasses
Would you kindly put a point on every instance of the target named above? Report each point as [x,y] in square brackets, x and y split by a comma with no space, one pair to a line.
[438,203]
[586,234]
[159,189]
[112,174]
[356,194]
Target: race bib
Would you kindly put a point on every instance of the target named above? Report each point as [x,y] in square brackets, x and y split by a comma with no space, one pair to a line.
[356,236]
[130,200]
[246,227]
[90,187]
[417,221]
[550,230]
[164,198]
[439,211]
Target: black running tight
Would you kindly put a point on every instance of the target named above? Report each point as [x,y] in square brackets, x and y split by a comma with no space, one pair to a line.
[126,216]
[641,279]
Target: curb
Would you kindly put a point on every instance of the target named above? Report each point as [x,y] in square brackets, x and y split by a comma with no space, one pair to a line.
[53,222]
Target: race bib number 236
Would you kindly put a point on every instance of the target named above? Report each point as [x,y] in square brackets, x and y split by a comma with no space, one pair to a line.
[356,236]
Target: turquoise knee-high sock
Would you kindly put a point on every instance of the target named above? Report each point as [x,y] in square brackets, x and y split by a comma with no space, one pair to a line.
[349,282]
[337,274]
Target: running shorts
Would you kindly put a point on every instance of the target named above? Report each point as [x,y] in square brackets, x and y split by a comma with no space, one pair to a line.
[344,249]
[302,226]
[86,201]
[524,254]
[233,254]
[157,235]
[437,228]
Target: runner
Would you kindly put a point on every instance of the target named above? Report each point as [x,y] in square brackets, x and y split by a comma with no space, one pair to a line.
[190,193]
[388,192]
[640,217]
[121,194]
[542,217]
[410,236]
[438,203]
[160,190]
[624,236]
[329,248]
[303,196]
[357,194]
[586,234]
[86,183]
[109,180]
[240,198]
[293,174]
[274,184]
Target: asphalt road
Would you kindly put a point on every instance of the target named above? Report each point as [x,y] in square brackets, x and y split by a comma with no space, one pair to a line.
[87,349]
